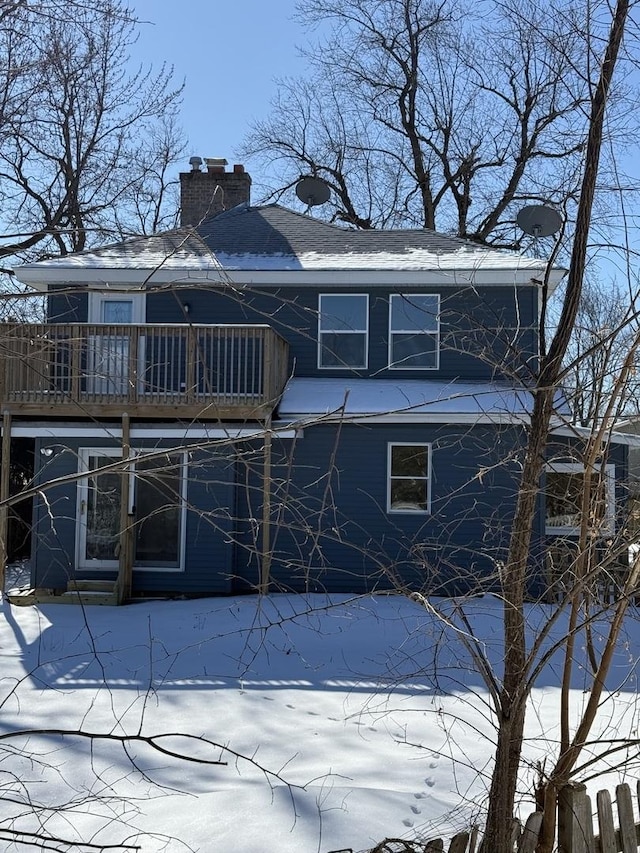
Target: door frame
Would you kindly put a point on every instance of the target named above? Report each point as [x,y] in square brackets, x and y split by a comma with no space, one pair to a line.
[82,493]
[96,300]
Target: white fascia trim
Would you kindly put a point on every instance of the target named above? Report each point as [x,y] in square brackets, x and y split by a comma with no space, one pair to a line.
[118,279]
[609,437]
[54,432]
[41,279]
[465,418]
[557,426]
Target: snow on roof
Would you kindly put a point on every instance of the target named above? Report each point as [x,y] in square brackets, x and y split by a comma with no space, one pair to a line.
[411,258]
[178,250]
[274,238]
[429,399]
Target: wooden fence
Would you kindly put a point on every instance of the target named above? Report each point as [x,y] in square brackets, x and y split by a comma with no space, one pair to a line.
[579,831]
[576,831]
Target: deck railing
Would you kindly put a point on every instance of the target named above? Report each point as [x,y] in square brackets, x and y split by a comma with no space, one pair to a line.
[208,371]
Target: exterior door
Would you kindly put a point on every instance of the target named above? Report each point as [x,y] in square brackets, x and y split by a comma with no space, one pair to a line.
[156,511]
[108,359]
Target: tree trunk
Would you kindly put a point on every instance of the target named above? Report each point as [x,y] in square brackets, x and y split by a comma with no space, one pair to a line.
[511,714]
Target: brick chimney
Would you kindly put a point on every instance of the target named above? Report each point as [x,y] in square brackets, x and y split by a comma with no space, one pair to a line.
[208,193]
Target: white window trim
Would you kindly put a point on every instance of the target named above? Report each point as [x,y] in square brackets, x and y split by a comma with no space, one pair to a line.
[390,446]
[98,297]
[607,528]
[364,332]
[82,493]
[390,363]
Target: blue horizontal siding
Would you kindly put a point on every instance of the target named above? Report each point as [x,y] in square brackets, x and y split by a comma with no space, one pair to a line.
[485,332]
[331,529]
[67,306]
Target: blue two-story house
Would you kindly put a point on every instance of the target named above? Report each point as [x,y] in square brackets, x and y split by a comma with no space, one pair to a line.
[261,400]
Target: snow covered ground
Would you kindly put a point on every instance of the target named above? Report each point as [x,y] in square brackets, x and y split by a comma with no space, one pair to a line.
[349,720]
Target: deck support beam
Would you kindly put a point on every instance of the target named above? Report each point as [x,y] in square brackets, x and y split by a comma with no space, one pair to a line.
[125,568]
[265,563]
[4,494]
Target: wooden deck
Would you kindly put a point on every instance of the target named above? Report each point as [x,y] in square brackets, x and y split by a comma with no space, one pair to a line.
[206,372]
[78,592]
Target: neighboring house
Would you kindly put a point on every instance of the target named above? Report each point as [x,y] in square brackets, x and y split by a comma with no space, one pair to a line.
[301,406]
[631,429]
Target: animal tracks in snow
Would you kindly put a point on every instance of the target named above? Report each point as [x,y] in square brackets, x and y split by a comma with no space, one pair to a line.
[429,781]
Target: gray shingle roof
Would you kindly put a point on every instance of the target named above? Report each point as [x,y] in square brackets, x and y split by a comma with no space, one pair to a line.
[272,237]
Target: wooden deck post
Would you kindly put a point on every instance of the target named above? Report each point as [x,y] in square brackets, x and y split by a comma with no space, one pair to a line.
[125,567]
[265,567]
[4,494]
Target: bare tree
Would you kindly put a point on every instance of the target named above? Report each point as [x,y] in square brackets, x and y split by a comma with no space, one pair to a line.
[512,696]
[85,144]
[604,334]
[438,115]
[460,134]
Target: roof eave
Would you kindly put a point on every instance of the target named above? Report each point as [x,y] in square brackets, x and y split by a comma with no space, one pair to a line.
[42,277]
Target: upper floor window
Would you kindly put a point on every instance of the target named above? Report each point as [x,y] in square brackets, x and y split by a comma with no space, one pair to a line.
[414,331]
[408,483]
[343,330]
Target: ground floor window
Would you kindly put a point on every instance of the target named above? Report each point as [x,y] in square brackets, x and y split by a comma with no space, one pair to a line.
[409,476]
[155,511]
[565,484]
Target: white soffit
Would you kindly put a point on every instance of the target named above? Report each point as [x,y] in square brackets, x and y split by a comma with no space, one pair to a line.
[42,279]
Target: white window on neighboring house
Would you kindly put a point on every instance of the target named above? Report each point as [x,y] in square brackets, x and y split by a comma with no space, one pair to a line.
[565,484]
[343,330]
[414,331]
[409,478]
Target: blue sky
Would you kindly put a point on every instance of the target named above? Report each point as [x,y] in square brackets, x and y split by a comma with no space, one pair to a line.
[228,55]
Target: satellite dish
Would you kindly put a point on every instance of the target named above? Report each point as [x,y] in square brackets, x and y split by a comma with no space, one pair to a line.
[313,191]
[539,220]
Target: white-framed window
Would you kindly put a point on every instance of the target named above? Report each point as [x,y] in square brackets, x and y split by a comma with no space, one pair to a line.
[343,330]
[414,331]
[565,483]
[409,477]
[156,509]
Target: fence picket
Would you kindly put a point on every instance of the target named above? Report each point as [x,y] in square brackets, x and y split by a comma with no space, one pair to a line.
[459,843]
[575,826]
[573,816]
[473,839]
[529,838]
[626,819]
[606,824]
[588,825]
